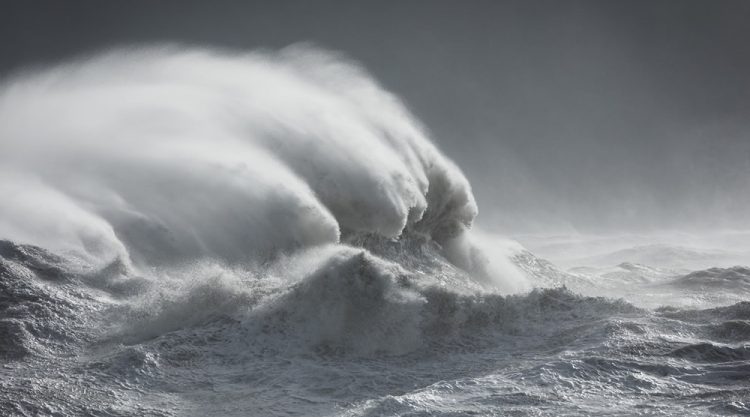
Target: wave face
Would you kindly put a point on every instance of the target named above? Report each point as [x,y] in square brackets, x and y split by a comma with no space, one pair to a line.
[193,232]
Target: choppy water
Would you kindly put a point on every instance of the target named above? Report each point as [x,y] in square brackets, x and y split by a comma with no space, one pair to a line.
[355,335]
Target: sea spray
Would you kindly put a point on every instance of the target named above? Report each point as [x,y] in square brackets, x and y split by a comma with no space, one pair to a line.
[165,155]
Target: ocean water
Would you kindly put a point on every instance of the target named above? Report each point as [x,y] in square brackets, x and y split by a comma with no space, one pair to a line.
[196,232]
[352,333]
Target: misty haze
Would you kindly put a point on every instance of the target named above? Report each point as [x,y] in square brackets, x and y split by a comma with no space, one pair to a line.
[374,208]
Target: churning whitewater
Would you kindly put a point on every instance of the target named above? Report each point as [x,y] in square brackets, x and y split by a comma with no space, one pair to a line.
[191,231]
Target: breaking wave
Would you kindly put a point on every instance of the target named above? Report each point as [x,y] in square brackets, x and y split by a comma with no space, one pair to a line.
[164,155]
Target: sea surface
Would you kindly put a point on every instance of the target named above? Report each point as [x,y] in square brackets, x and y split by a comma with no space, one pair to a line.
[352,334]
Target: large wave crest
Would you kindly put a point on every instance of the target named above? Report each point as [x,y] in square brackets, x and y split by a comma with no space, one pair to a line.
[164,155]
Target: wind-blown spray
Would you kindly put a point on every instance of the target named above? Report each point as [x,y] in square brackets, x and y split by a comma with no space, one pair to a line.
[165,155]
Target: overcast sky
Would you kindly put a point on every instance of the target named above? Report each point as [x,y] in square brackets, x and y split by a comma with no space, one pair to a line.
[593,116]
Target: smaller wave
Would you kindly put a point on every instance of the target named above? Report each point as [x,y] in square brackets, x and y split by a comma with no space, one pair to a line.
[16,340]
[737,277]
[710,352]
[661,256]
[730,331]
[737,311]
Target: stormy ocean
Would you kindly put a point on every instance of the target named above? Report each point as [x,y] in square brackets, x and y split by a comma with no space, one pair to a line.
[191,232]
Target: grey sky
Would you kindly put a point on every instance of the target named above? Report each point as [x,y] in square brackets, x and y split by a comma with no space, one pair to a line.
[586,115]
